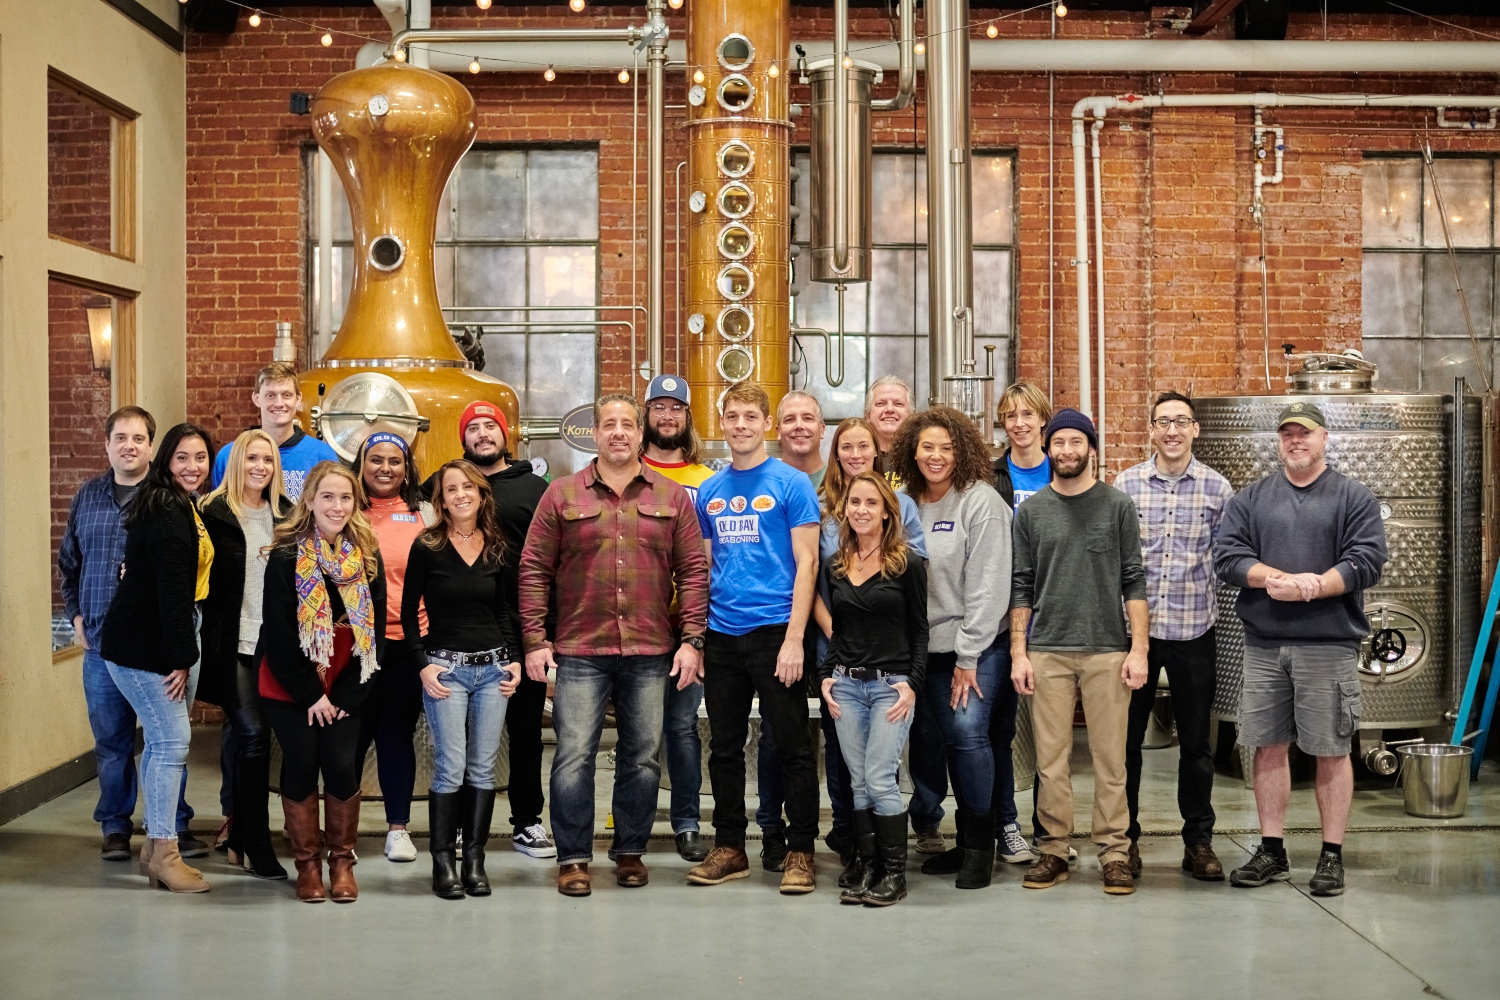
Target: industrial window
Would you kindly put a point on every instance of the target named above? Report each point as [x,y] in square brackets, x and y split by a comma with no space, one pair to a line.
[90,168]
[885,320]
[1413,321]
[516,229]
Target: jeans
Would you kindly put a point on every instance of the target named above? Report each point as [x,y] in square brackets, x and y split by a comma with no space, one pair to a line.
[308,750]
[585,685]
[737,668]
[871,743]
[465,725]
[1003,733]
[1191,670]
[928,764]
[768,779]
[966,729]
[397,706]
[684,754]
[112,720]
[167,732]
[523,720]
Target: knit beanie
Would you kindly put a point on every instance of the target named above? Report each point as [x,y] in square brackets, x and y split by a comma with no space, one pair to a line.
[1070,419]
[482,408]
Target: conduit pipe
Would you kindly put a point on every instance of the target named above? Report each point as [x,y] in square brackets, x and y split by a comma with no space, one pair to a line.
[656,185]
[1099,271]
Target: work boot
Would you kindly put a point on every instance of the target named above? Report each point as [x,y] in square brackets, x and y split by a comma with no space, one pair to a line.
[442,820]
[1201,860]
[721,865]
[798,875]
[307,846]
[951,860]
[1117,878]
[890,839]
[573,879]
[979,852]
[773,851]
[860,872]
[630,871]
[341,819]
[168,872]
[1047,872]
[478,805]
[251,834]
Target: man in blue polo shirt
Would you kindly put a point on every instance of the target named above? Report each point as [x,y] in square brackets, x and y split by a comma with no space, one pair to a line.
[760,527]
[278,398]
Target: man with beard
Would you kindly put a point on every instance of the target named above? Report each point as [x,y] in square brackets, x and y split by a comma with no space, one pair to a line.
[517,490]
[888,403]
[1302,544]
[672,449]
[1077,557]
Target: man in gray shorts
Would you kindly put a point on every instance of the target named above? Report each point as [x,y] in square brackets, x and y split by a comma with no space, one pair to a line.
[1303,544]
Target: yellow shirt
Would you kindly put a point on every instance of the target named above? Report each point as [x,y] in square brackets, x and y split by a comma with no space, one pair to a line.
[205,557]
[689,477]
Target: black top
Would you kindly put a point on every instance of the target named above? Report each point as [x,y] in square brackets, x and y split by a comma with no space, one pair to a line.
[149,625]
[125,493]
[880,624]
[468,607]
[1003,484]
[221,609]
[282,649]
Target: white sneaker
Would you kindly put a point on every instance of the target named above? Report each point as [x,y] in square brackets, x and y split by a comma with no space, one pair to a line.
[533,841]
[1013,846]
[398,846]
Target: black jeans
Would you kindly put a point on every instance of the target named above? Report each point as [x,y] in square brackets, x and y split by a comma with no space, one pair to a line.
[736,669]
[391,711]
[1191,671]
[523,720]
[307,750]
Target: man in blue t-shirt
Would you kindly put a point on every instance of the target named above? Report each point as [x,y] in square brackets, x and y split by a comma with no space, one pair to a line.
[278,398]
[760,527]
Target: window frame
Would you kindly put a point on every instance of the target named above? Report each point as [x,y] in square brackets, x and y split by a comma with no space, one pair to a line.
[123,214]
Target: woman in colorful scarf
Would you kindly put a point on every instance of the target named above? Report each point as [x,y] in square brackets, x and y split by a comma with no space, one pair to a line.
[324,626]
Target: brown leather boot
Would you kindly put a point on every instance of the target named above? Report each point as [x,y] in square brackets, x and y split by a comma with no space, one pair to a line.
[167,871]
[1204,864]
[145,865]
[573,879]
[342,822]
[307,846]
[797,874]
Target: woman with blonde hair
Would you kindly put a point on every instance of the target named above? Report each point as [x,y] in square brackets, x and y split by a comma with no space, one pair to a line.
[472,666]
[877,609]
[324,627]
[241,517]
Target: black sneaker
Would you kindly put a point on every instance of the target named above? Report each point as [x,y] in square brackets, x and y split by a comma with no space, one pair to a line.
[773,852]
[1262,867]
[190,846]
[1328,880]
[116,847]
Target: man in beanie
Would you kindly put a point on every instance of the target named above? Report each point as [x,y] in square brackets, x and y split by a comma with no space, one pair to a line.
[1077,553]
[1302,544]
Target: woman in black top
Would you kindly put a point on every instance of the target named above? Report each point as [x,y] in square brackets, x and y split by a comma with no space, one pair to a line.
[150,638]
[876,660]
[473,666]
[321,636]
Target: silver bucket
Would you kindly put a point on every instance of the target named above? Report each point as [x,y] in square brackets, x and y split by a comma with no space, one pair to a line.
[1435,779]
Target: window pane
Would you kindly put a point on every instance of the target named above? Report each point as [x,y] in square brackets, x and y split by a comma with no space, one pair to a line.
[992,293]
[505,359]
[848,399]
[900,189]
[1398,363]
[893,356]
[562,276]
[1442,314]
[490,276]
[818,306]
[1392,299]
[1002,364]
[559,372]
[1466,189]
[802,225]
[1445,360]
[898,291]
[1392,190]
[563,190]
[442,266]
[992,191]
[492,194]
[79,155]
[343,281]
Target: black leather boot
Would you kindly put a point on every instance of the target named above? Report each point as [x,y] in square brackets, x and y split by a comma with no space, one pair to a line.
[442,820]
[860,872]
[890,839]
[477,805]
[951,860]
[251,833]
[979,851]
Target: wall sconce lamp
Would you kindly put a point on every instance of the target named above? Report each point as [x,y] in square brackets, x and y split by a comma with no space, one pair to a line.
[101,315]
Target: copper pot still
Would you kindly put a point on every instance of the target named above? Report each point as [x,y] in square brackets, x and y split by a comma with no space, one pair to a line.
[395,132]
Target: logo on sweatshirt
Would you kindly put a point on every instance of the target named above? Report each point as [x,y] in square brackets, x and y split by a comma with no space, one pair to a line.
[737,505]
[763,503]
[942,525]
[716,507]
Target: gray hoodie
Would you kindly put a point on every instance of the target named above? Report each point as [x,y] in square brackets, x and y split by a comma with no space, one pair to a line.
[968,571]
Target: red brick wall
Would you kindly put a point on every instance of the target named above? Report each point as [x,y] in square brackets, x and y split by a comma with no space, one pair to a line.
[78,169]
[1183,285]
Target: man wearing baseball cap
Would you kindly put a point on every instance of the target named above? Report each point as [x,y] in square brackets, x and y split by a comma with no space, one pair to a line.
[1302,544]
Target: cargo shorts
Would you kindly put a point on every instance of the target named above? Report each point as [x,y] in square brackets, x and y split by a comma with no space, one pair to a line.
[1308,695]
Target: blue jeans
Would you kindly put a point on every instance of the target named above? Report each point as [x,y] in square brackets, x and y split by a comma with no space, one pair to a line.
[684,754]
[113,722]
[585,685]
[465,725]
[966,730]
[871,743]
[167,732]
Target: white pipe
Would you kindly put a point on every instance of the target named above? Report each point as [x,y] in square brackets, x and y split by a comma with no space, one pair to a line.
[325,256]
[419,18]
[1099,282]
[394,12]
[1081,262]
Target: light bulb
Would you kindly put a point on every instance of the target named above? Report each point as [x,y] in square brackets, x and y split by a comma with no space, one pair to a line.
[774,71]
[992,31]
[255,20]
[575,5]
[920,48]
[483,4]
[327,39]
[401,55]
[697,76]
[549,74]
[1060,10]
[473,65]
[624,76]
[848,63]
[675,4]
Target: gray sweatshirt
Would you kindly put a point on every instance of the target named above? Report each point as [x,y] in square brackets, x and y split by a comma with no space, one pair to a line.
[1077,559]
[1334,523]
[968,572]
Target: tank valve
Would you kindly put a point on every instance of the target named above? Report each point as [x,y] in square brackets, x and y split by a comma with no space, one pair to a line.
[1381,761]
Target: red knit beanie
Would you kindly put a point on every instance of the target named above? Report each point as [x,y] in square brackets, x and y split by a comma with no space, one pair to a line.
[482,408]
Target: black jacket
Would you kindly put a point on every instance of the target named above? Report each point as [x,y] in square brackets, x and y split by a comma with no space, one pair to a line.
[221,610]
[149,625]
[1003,485]
[283,650]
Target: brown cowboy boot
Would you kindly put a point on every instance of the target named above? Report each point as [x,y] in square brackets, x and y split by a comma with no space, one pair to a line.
[342,822]
[307,846]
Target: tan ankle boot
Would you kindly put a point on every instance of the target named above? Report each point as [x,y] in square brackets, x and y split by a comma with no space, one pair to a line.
[167,871]
[307,846]
[343,832]
[145,866]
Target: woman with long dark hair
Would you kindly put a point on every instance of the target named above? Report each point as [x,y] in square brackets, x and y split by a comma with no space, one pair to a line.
[472,666]
[241,518]
[324,625]
[150,637]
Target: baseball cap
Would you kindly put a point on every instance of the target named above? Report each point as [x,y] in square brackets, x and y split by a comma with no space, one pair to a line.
[668,385]
[1306,414]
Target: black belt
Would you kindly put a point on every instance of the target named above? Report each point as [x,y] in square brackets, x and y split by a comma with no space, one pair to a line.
[466,659]
[863,673]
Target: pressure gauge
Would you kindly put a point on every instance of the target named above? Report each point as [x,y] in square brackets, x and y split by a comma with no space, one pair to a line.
[695,323]
[379,105]
[697,95]
[697,201]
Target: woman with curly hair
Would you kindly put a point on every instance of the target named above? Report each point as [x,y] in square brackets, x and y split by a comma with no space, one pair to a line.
[941,457]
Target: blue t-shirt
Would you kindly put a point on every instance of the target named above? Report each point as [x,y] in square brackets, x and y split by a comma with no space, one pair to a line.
[299,453]
[1028,481]
[749,515]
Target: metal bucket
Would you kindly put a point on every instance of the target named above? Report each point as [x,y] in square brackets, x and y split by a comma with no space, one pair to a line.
[1435,779]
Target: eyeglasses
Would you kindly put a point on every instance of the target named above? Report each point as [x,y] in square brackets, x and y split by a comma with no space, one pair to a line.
[1181,423]
[667,407]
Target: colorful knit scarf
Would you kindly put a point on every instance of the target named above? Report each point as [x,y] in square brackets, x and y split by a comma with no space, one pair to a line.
[346,568]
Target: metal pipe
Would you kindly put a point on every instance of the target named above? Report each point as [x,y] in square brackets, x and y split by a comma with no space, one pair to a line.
[656,185]
[521,37]
[1258,212]
[325,256]
[1099,282]
[950,227]
[841,136]
[906,76]
[419,18]
[828,351]
[677,275]
[1081,263]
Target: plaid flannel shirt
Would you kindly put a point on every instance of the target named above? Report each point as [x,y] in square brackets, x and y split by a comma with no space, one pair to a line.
[88,560]
[612,560]
[1179,523]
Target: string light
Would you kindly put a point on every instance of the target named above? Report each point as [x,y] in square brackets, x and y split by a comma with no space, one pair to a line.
[401,55]
[483,4]
[255,19]
[697,76]
[549,74]
[624,76]
[575,5]
[920,48]
[774,71]
[473,65]
[992,31]
[848,63]
[1060,10]
[327,39]
[675,4]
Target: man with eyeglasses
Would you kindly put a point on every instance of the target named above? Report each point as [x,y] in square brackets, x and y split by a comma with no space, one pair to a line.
[1180,502]
[673,449]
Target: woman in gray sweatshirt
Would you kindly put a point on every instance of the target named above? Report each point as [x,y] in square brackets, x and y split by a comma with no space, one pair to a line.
[943,461]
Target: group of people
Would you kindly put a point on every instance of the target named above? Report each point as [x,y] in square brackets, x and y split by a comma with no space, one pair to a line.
[907,592]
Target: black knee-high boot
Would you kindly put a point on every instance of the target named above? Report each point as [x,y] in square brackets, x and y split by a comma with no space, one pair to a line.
[856,878]
[478,806]
[890,837]
[442,820]
[979,852]
[252,823]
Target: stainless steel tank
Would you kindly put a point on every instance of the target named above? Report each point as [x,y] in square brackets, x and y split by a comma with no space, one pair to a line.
[1421,456]
[825,138]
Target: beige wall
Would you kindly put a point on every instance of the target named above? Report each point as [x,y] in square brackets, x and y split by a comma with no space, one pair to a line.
[42,717]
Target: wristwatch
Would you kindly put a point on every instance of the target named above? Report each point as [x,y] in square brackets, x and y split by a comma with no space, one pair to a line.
[696,641]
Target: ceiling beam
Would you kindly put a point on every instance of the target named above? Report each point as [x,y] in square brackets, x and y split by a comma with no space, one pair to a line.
[1209,17]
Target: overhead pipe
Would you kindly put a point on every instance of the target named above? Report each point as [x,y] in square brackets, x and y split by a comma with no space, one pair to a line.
[1099,275]
[656,185]
[906,63]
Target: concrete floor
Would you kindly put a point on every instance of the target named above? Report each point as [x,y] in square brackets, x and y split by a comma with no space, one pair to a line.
[1418,920]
